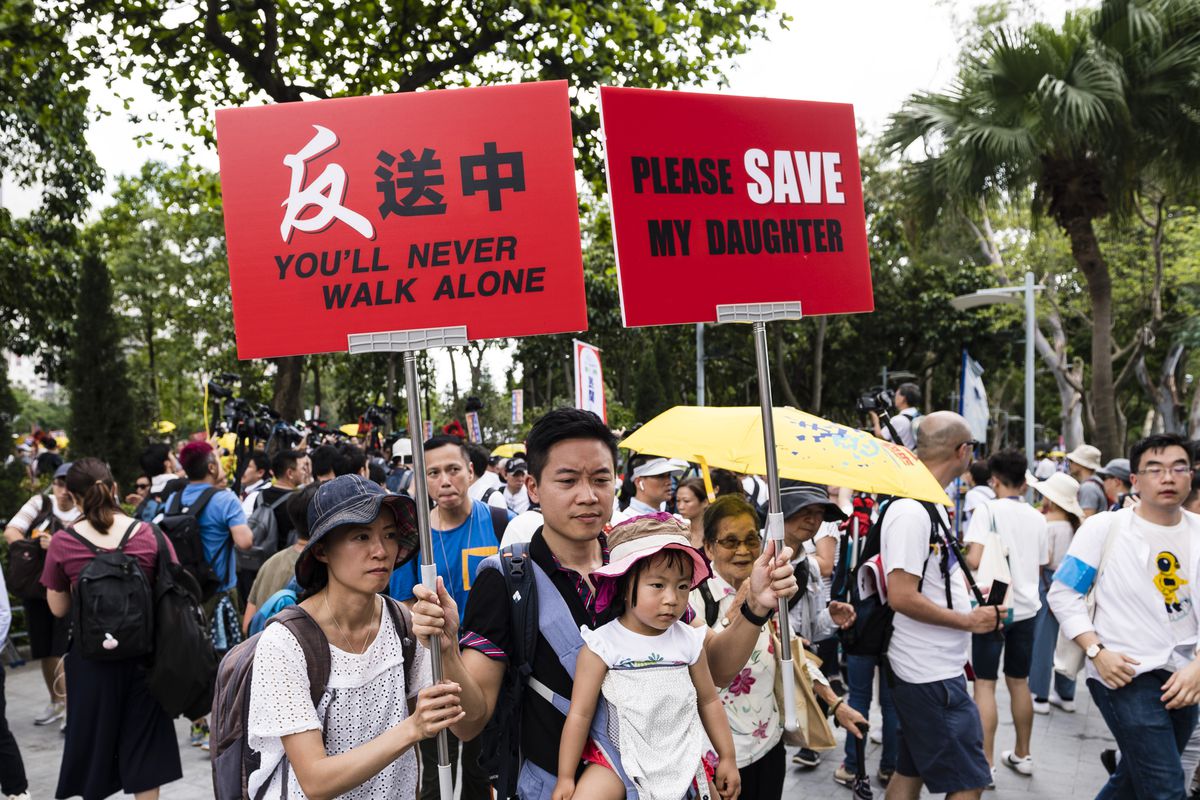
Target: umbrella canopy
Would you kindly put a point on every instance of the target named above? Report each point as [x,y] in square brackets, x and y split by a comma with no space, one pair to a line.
[350,429]
[808,448]
[509,450]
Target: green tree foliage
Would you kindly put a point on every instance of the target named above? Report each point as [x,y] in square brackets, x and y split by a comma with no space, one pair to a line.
[218,53]
[1086,115]
[164,240]
[43,117]
[104,418]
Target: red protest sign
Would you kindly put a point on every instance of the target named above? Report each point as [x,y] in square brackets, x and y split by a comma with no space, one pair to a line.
[401,212]
[719,200]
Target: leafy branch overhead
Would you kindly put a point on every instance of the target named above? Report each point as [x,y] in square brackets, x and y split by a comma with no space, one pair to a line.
[206,54]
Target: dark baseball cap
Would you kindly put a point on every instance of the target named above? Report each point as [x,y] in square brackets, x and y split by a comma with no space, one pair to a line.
[797,495]
[61,472]
[354,500]
[517,465]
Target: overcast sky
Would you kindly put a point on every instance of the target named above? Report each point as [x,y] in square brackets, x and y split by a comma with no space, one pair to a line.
[870,53]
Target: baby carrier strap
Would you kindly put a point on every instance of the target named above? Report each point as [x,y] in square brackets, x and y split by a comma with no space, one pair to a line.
[557,626]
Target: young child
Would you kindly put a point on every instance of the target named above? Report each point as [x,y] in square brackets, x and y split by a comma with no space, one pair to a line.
[653,671]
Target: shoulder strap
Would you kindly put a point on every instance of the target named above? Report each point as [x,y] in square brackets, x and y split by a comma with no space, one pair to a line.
[487,494]
[712,609]
[200,503]
[1114,527]
[517,568]
[402,622]
[71,530]
[280,501]
[43,515]
[499,521]
[314,644]
[133,526]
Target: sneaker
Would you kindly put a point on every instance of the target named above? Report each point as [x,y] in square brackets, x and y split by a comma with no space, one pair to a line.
[21,796]
[1061,704]
[1109,759]
[1014,762]
[806,759]
[204,744]
[877,734]
[1041,706]
[992,780]
[51,713]
[885,776]
[843,776]
[199,734]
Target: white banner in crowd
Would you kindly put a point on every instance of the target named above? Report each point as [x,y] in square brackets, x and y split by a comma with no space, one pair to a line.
[589,380]
[974,398]
[518,407]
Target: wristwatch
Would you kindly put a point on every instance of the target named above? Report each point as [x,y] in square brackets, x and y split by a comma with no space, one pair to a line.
[1094,650]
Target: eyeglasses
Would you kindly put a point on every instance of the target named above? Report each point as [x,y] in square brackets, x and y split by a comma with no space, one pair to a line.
[733,545]
[141,486]
[1157,471]
[973,444]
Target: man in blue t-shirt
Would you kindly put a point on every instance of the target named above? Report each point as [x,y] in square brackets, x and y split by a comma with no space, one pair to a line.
[463,536]
[222,521]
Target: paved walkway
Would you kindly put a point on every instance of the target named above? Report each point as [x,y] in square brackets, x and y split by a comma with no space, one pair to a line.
[1066,752]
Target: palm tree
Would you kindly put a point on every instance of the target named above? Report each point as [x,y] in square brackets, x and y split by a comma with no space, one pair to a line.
[1085,115]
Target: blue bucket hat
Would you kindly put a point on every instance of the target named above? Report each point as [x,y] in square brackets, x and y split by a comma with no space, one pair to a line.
[354,500]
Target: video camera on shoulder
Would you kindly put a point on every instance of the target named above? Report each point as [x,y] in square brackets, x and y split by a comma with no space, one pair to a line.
[876,399]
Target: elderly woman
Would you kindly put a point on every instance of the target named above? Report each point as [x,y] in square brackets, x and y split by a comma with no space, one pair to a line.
[733,543]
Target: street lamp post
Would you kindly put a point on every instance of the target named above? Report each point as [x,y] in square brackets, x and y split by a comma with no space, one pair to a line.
[1013,295]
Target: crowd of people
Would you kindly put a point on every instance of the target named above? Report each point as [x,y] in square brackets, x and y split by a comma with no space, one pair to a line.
[607,626]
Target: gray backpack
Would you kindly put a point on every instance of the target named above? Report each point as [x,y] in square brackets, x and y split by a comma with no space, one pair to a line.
[266,535]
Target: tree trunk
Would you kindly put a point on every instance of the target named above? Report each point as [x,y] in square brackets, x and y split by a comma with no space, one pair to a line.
[316,377]
[391,386]
[289,377]
[789,396]
[453,377]
[1164,395]
[1068,377]
[1086,250]
[818,364]
[1194,413]
[152,359]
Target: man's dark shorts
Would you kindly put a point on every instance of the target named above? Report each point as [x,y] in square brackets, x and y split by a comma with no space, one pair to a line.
[941,740]
[1017,644]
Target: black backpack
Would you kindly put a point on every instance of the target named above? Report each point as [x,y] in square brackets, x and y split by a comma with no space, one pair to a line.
[185,663]
[181,524]
[112,604]
[872,629]
[27,558]
[265,526]
[500,745]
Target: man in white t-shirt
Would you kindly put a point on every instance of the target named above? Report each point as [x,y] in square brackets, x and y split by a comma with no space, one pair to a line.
[516,497]
[488,487]
[1141,639]
[39,518]
[1019,531]
[940,738]
[980,491]
[904,423]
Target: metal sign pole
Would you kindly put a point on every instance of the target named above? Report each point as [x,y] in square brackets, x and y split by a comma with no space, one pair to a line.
[410,343]
[758,315]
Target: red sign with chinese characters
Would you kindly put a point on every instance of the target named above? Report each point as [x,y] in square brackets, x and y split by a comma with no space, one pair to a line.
[401,212]
[718,200]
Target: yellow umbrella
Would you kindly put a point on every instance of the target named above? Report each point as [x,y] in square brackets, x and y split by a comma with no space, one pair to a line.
[228,441]
[509,450]
[164,426]
[350,429]
[808,448]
